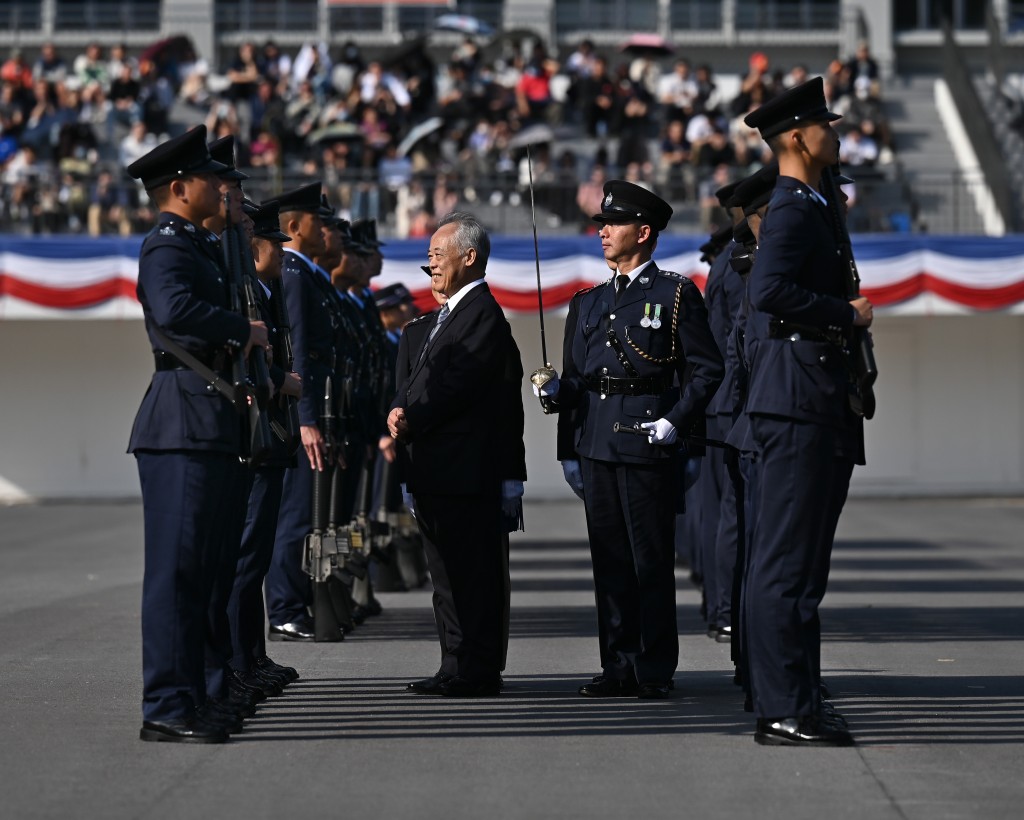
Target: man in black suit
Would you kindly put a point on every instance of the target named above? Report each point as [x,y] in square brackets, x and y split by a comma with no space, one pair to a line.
[445,417]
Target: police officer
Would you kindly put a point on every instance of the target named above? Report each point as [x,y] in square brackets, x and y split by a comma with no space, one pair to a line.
[246,612]
[640,354]
[186,437]
[313,313]
[806,435]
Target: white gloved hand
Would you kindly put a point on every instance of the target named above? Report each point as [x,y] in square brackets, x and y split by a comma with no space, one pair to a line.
[549,390]
[660,432]
[511,493]
[407,500]
[573,476]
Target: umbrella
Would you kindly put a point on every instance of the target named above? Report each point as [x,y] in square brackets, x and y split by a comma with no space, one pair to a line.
[418,132]
[336,132]
[651,44]
[178,47]
[464,24]
[532,135]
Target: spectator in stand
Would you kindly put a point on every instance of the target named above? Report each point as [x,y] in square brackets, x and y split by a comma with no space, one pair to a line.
[589,195]
[712,215]
[265,150]
[755,89]
[50,66]
[277,66]
[862,64]
[156,96]
[118,57]
[12,114]
[124,99]
[675,170]
[717,151]
[533,91]
[268,111]
[709,98]
[108,207]
[797,76]
[136,144]
[580,64]
[678,92]
[16,71]
[598,99]
[245,71]
[857,150]
[635,124]
[42,117]
[90,67]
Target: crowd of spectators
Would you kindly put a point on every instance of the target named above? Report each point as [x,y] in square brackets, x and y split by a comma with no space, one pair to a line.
[402,138]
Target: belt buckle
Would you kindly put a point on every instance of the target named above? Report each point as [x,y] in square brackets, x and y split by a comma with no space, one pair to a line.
[604,384]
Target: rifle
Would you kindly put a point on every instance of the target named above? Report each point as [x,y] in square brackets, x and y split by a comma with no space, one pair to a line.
[285,359]
[324,553]
[862,353]
[255,374]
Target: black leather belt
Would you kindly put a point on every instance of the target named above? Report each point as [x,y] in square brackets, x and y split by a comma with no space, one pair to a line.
[649,386]
[778,329]
[163,360]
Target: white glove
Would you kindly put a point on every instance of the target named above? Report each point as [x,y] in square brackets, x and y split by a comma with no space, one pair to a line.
[573,476]
[660,432]
[407,500]
[549,390]
[511,492]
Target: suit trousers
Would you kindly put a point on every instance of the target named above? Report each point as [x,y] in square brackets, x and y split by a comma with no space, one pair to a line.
[630,521]
[246,611]
[289,591]
[802,487]
[184,497]
[462,540]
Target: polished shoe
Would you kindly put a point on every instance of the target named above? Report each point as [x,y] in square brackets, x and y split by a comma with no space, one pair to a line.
[359,614]
[712,631]
[802,731]
[826,693]
[653,691]
[228,707]
[460,687]
[429,686]
[242,691]
[301,630]
[278,679]
[265,663]
[183,730]
[251,680]
[602,687]
[723,634]
[242,702]
[831,714]
[373,608]
[232,724]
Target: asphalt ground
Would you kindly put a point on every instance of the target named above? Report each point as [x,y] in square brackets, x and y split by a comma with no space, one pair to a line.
[923,648]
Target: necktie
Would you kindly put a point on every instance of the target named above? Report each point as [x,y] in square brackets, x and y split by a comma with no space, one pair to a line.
[621,283]
[442,314]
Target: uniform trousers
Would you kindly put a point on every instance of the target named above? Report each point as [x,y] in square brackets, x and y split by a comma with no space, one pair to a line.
[802,486]
[630,521]
[462,540]
[729,547]
[713,478]
[246,612]
[184,497]
[289,591]
[218,627]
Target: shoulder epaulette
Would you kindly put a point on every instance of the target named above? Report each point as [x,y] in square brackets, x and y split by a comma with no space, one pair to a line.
[673,275]
[420,318]
[581,291]
[174,227]
[799,193]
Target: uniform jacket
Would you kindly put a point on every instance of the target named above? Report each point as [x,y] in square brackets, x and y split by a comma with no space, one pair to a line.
[798,277]
[693,364]
[184,293]
[313,310]
[724,295]
[452,398]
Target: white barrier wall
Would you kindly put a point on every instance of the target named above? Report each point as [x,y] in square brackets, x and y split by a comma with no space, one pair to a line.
[950,417]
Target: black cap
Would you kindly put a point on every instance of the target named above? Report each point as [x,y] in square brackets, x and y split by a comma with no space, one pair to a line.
[177,158]
[840,177]
[426,269]
[718,240]
[248,206]
[755,191]
[724,194]
[625,202]
[326,210]
[266,223]
[798,106]
[306,198]
[223,151]
[364,233]
[392,296]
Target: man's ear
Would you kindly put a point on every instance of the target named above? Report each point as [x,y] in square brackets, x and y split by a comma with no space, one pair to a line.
[471,257]
[643,234]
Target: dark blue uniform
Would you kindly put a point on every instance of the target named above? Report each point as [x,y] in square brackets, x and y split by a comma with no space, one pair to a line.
[807,440]
[186,440]
[630,486]
[313,310]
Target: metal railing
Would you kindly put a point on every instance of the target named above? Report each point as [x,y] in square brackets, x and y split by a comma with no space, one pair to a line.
[801,15]
[117,15]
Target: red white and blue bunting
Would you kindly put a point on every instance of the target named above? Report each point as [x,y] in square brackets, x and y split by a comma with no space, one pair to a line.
[72,277]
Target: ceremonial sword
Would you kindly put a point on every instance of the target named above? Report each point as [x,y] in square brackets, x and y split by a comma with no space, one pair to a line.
[542,375]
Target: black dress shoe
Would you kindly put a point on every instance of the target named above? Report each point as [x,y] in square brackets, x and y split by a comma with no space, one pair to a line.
[242,702]
[460,687]
[228,707]
[184,730]
[723,634]
[602,687]
[232,724]
[653,691]
[712,631]
[830,714]
[373,608]
[242,691]
[301,630]
[826,693]
[429,686]
[802,731]
[288,671]
[253,681]
[278,679]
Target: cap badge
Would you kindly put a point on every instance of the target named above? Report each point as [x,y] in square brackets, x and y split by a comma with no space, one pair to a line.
[608,200]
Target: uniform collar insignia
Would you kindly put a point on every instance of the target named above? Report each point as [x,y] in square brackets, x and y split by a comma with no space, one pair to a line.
[190,227]
[644,280]
[167,230]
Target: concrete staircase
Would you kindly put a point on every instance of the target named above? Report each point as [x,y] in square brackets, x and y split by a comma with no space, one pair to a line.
[937,188]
